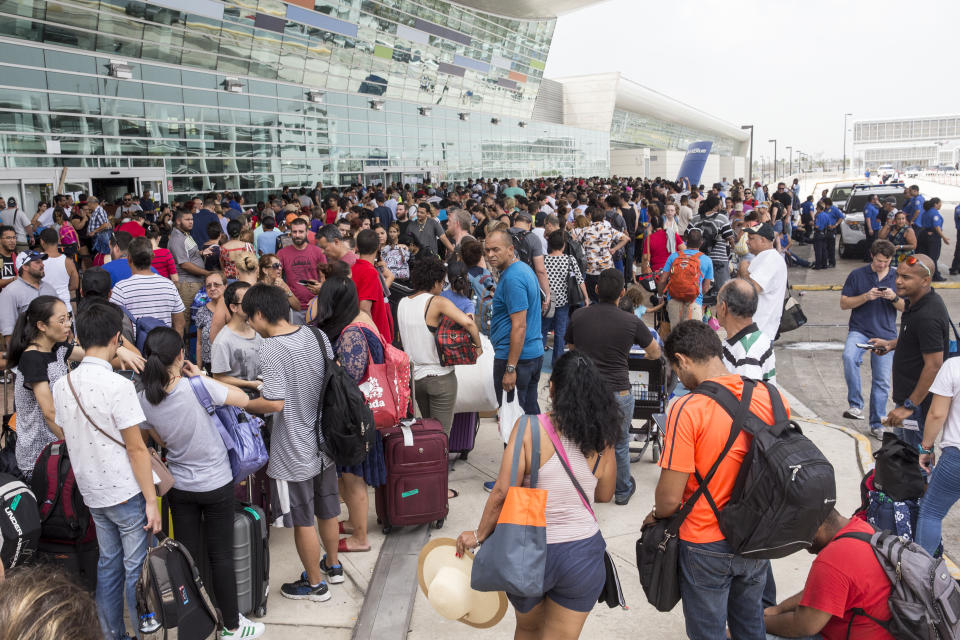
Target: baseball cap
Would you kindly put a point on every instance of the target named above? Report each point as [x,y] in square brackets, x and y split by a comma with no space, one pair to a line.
[26,257]
[11,202]
[524,216]
[95,282]
[764,230]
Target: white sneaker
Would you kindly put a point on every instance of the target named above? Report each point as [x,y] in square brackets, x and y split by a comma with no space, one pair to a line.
[247,629]
[853,414]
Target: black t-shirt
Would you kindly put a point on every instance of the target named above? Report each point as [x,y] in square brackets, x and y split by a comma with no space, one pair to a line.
[924,328]
[605,332]
[8,268]
[785,198]
[34,365]
[630,217]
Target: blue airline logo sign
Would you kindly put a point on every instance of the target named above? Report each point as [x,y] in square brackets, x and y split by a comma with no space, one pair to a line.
[694,162]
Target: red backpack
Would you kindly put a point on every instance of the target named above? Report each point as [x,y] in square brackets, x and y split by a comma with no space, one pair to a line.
[684,280]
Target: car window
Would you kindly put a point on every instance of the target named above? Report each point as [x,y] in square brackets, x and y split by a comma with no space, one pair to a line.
[841,193]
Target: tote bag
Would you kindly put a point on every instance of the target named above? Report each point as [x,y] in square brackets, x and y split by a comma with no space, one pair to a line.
[513,557]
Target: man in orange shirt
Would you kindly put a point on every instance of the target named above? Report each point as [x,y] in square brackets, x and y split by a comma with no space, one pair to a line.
[717,587]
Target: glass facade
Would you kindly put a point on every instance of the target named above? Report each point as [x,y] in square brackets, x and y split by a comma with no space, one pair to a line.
[907,130]
[630,130]
[254,96]
[902,156]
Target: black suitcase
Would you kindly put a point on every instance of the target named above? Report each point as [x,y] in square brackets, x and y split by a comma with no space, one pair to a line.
[251,559]
[78,560]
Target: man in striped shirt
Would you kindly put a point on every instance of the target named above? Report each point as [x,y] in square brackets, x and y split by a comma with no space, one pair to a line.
[747,350]
[145,293]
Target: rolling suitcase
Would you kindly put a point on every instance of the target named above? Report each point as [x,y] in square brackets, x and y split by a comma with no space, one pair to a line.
[463,433]
[79,560]
[415,452]
[251,559]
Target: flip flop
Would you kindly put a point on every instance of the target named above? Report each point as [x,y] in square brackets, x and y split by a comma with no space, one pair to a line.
[454,492]
[341,528]
[342,547]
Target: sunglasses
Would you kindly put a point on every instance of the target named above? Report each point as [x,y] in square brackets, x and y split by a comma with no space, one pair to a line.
[276,265]
[914,260]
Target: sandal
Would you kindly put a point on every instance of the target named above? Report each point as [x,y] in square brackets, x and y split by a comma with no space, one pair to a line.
[454,492]
[342,547]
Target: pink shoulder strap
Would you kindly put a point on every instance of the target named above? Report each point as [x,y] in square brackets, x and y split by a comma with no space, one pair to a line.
[558,446]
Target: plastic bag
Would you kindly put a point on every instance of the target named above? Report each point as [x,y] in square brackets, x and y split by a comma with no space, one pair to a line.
[510,412]
[475,391]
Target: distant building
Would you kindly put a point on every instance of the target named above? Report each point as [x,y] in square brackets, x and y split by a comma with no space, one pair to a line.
[907,142]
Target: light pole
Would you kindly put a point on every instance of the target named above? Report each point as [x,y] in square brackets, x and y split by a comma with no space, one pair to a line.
[774,141]
[790,161]
[750,166]
[845,116]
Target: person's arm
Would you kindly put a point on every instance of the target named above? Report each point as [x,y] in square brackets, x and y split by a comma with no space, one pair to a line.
[931,365]
[668,494]
[443,238]
[143,472]
[911,239]
[936,417]
[541,270]
[606,474]
[178,323]
[518,333]
[193,269]
[798,622]
[707,284]
[852,302]
[621,242]
[41,391]
[73,280]
[219,320]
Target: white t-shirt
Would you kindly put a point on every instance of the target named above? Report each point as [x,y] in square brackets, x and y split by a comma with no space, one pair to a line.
[947,384]
[101,466]
[46,218]
[769,270]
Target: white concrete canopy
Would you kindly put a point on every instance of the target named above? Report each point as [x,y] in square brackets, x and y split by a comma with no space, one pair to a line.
[527,9]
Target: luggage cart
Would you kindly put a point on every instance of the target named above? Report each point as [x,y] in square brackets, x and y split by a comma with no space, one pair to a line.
[649,384]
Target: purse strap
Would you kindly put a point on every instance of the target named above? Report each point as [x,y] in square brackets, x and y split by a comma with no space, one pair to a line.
[562,454]
[534,452]
[76,397]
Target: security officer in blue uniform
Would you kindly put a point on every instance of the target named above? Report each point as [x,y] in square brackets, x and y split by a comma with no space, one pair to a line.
[871,224]
[931,230]
[836,217]
[955,266]
[821,226]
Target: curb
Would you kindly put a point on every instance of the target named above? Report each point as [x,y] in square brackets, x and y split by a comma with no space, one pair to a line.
[839,287]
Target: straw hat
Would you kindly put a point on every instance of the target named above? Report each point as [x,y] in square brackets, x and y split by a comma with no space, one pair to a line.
[445,581]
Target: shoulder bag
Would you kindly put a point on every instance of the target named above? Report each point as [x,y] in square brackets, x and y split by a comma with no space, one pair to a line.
[454,344]
[611,593]
[161,475]
[574,294]
[658,548]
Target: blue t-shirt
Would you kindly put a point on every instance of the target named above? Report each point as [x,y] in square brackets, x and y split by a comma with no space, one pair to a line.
[517,290]
[956,216]
[706,269]
[931,219]
[835,214]
[874,318]
[822,221]
[807,207]
[870,212]
[462,303]
[201,220]
[267,241]
[120,270]
[914,207]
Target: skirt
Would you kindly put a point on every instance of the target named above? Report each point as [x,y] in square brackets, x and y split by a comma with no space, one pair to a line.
[373,470]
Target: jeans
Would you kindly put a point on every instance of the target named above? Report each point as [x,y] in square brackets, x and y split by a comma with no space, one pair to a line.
[719,589]
[721,273]
[913,437]
[624,400]
[123,548]
[528,379]
[205,519]
[942,493]
[558,324]
[881,368]
[436,397]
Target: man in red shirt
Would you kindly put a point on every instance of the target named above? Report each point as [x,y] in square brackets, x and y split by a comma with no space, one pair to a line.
[134,226]
[300,261]
[371,288]
[845,575]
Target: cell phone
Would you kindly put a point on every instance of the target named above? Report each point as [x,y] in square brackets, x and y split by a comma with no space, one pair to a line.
[306,282]
[881,288]
[866,346]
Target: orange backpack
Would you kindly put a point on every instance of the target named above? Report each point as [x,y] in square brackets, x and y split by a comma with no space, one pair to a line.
[685,277]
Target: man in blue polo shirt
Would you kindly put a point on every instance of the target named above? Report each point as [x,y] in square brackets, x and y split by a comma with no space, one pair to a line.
[955,265]
[836,217]
[870,292]
[821,226]
[871,215]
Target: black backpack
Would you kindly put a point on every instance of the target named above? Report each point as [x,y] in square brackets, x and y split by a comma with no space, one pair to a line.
[347,432]
[19,522]
[575,249]
[520,246]
[710,230]
[63,513]
[785,487]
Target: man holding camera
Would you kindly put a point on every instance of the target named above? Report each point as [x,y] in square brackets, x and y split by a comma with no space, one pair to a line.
[870,293]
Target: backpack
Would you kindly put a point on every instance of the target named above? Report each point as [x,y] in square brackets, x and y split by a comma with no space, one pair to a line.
[924,598]
[575,249]
[520,246]
[484,286]
[785,487]
[239,430]
[19,522]
[171,599]
[142,327]
[64,516]
[685,277]
[283,241]
[709,230]
[346,430]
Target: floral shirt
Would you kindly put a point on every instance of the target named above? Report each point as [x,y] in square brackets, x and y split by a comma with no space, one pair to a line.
[203,318]
[597,239]
[397,258]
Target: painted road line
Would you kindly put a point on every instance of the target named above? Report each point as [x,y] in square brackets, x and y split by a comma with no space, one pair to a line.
[839,287]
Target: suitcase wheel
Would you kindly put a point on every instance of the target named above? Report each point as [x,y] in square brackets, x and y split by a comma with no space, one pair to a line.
[260,611]
[463,455]
[438,524]
[387,529]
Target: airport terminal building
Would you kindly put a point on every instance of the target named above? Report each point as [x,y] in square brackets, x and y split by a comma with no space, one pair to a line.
[183,96]
[923,142]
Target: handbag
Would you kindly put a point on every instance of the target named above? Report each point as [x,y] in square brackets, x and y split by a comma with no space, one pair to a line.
[793,316]
[513,557]
[612,592]
[162,477]
[454,344]
[574,294]
[658,548]
[380,387]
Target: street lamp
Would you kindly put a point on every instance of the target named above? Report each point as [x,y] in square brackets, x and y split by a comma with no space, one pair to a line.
[845,116]
[750,166]
[790,165]
[774,141]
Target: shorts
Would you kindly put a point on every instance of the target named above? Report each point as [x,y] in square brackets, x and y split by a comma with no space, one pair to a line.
[573,577]
[679,311]
[317,496]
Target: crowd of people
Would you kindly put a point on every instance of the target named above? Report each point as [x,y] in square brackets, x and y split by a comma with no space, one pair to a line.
[233,295]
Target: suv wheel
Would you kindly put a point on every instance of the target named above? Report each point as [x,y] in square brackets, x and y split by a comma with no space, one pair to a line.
[842,249]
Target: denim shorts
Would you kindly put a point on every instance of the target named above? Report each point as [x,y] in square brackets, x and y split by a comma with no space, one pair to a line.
[573,577]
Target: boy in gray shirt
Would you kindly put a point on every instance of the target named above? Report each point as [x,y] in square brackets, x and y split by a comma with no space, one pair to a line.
[234,355]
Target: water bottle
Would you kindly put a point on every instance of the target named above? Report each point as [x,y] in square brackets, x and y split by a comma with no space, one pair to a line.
[149,623]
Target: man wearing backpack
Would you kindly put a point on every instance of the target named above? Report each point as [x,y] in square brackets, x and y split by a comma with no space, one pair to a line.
[293,366]
[718,588]
[844,577]
[145,293]
[717,238]
[685,279]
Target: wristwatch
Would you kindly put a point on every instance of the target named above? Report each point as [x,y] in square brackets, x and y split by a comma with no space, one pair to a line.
[908,404]
[920,449]
[511,368]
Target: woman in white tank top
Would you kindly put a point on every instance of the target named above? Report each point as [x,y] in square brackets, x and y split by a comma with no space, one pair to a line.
[58,270]
[587,427]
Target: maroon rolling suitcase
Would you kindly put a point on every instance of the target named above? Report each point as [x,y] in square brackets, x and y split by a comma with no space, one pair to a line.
[463,433]
[416,490]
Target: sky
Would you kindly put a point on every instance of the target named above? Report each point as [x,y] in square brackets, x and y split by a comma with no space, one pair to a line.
[791,68]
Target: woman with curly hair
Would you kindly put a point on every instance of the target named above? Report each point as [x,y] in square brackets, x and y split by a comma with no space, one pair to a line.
[587,426]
